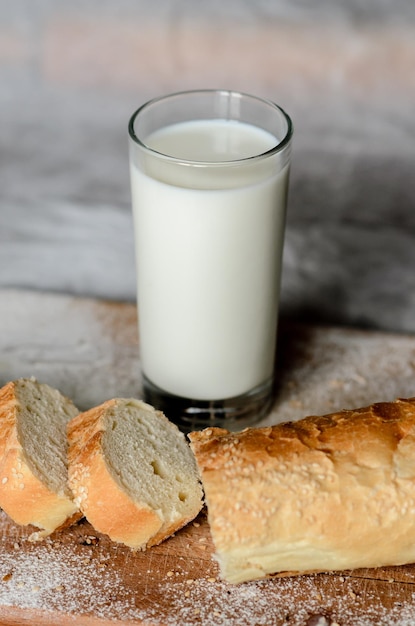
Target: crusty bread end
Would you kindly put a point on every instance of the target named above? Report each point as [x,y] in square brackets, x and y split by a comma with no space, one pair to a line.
[324,493]
[33,446]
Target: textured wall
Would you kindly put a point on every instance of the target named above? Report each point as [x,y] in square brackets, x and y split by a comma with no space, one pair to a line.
[72,73]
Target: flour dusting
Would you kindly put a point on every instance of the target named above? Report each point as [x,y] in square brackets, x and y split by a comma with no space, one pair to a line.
[76,573]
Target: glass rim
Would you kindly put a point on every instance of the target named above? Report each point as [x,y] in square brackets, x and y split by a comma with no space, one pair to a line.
[279,147]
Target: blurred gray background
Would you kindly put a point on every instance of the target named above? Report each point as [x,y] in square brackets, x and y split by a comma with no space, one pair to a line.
[71,74]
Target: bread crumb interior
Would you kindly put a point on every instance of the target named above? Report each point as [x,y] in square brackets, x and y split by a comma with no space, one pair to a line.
[151,460]
[41,426]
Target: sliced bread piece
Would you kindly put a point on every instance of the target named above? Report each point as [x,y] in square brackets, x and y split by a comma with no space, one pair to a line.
[132,472]
[33,455]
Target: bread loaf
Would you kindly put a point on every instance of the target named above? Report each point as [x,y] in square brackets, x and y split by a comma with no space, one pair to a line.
[324,493]
[132,472]
[33,448]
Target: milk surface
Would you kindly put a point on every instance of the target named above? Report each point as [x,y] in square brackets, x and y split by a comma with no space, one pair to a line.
[208,260]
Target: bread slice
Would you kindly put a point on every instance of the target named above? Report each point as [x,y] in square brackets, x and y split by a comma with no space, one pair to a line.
[33,449]
[132,472]
[325,493]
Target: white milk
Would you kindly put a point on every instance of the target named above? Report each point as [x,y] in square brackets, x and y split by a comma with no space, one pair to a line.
[208,261]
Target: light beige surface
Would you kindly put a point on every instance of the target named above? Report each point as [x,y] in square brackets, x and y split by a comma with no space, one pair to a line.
[85,348]
[88,349]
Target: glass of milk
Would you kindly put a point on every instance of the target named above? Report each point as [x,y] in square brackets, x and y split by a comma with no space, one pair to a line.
[209,175]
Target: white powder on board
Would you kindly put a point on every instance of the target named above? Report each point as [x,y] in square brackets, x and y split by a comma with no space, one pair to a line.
[293,602]
[52,577]
[56,579]
[80,574]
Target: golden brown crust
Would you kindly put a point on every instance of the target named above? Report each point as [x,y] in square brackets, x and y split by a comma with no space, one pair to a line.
[106,506]
[23,496]
[327,492]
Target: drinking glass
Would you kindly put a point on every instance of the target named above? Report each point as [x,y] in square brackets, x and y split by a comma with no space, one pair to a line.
[209,175]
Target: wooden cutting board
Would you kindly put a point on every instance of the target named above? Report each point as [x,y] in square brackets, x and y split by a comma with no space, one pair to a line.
[80,577]
[89,350]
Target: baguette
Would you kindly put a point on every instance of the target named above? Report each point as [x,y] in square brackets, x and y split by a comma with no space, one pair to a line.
[33,447]
[132,472]
[325,493]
